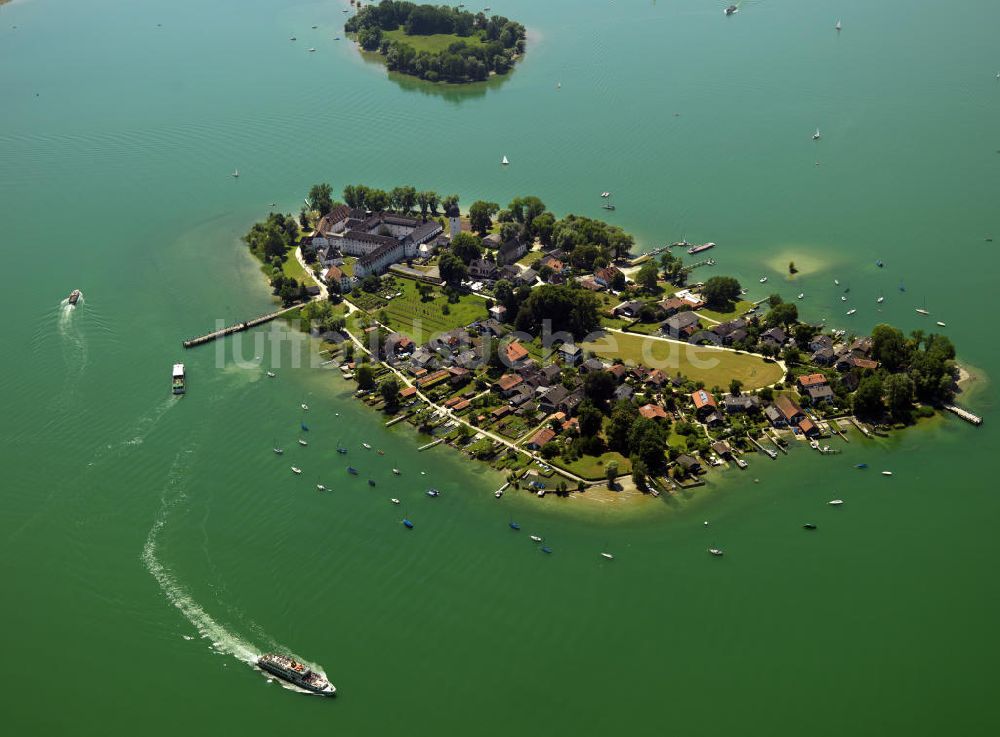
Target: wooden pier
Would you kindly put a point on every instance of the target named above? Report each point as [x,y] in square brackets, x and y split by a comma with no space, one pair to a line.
[237,328]
[964,414]
[766,451]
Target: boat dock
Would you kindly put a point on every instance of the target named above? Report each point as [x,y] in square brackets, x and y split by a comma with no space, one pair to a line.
[766,451]
[431,444]
[237,328]
[394,420]
[964,414]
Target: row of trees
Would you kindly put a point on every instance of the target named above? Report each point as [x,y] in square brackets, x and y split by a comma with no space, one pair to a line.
[398,199]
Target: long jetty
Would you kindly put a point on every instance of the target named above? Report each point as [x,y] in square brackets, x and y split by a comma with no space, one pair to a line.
[237,328]
[964,414]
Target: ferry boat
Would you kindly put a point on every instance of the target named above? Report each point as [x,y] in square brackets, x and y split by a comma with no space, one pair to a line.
[74,296]
[698,249]
[178,379]
[290,670]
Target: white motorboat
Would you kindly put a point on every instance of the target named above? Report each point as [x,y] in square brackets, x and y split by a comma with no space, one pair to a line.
[321,487]
[504,161]
[296,470]
[303,442]
[395,471]
[835,502]
[836,282]
[843,298]
[311,50]
[851,312]
[802,295]
[607,556]
[535,538]
[880,300]
[366,445]
[763,279]
[921,311]
[887,473]
[941,324]
[292,38]
[498,493]
[838,26]
[278,450]
[235,174]
[271,374]
[816,135]
[305,406]
[394,500]
[715,551]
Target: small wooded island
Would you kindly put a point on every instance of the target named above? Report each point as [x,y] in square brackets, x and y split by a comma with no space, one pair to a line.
[438,43]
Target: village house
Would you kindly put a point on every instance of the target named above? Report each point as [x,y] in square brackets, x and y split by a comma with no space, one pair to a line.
[694,300]
[570,353]
[607,276]
[673,305]
[492,240]
[590,283]
[336,278]
[516,354]
[591,365]
[789,411]
[505,385]
[689,463]
[731,332]
[379,240]
[540,438]
[511,251]
[498,312]
[618,370]
[656,379]
[653,412]
[704,403]
[775,337]
[624,392]
[681,326]
[808,428]
[722,449]
[741,403]
[627,309]
[482,270]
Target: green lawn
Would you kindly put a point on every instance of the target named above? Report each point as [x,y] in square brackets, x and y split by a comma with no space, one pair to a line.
[409,315]
[292,268]
[593,468]
[699,363]
[741,307]
[433,44]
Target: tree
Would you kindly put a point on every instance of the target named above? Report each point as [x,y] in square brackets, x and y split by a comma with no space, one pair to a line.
[542,227]
[648,276]
[721,292]
[589,418]
[567,307]
[424,201]
[611,473]
[735,387]
[639,472]
[321,198]
[503,291]
[481,214]
[466,247]
[526,209]
[377,200]
[600,386]
[899,396]
[452,269]
[784,313]
[889,347]
[365,376]
[389,389]
[868,397]
[620,426]
[449,204]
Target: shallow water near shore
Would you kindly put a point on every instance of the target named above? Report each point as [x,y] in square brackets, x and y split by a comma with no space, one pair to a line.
[150,546]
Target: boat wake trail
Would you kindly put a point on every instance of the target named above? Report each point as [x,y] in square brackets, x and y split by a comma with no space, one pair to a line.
[223,640]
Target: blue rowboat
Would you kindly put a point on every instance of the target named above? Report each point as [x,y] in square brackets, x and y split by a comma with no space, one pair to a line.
[352,470]
[514,525]
[546,549]
[407,524]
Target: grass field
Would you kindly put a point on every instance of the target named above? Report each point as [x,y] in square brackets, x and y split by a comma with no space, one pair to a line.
[699,363]
[292,268]
[432,44]
[419,320]
[593,468]
[740,307]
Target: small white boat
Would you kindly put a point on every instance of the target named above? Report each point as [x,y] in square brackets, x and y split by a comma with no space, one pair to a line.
[880,300]
[394,500]
[816,135]
[535,538]
[763,279]
[292,38]
[835,502]
[607,556]
[305,406]
[838,26]
[558,85]
[843,298]
[504,161]
[887,473]
[303,442]
[851,312]
[296,470]
[311,50]
[271,374]
[235,174]
[802,295]
[921,311]
[715,551]
[320,487]
[395,471]
[836,282]
[941,324]
[498,493]
[365,445]
[315,27]
[278,450]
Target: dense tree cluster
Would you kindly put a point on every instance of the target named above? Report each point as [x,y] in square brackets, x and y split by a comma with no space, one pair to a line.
[271,239]
[721,292]
[399,199]
[574,231]
[569,307]
[493,44]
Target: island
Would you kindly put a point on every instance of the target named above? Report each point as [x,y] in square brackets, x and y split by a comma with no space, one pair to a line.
[438,43]
[538,345]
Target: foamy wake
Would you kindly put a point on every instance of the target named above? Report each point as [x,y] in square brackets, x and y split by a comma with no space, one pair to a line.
[223,640]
